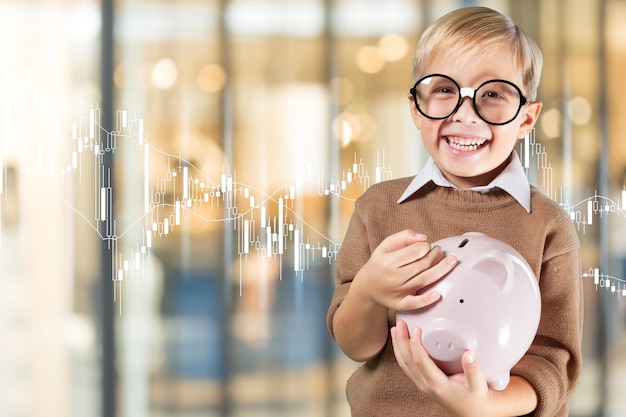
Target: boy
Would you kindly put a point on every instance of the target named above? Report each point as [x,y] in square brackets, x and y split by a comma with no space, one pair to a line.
[476,76]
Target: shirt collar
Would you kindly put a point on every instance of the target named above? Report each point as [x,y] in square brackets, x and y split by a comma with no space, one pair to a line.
[513,180]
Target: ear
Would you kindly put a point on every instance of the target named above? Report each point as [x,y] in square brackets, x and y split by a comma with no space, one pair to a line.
[415,114]
[497,266]
[530,114]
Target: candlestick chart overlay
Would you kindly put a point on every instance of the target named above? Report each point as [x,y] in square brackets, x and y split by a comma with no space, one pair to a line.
[68,148]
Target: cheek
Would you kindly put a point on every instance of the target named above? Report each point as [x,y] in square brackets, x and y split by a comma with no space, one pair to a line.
[430,139]
[508,134]
[429,129]
[507,139]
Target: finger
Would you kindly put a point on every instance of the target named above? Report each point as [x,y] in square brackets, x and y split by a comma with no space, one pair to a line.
[401,240]
[402,249]
[400,342]
[427,367]
[429,270]
[409,255]
[473,374]
[418,258]
[414,302]
[419,296]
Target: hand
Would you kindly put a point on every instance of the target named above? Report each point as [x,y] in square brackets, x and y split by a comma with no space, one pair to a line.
[399,267]
[465,394]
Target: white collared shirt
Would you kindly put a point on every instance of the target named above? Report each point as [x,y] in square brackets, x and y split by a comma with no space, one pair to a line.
[513,180]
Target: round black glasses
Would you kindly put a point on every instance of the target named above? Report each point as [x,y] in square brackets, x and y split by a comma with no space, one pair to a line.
[496,102]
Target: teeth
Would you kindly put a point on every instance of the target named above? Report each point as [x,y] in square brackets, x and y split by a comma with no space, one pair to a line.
[465,144]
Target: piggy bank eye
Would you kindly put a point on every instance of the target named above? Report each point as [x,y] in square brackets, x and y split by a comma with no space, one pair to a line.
[461,301]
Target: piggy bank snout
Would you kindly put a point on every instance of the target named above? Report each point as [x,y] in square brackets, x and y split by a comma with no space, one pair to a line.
[446,346]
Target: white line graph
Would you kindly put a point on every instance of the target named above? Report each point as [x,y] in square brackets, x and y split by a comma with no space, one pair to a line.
[265,224]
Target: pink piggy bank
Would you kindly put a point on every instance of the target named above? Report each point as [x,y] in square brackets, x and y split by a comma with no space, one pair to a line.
[490,303]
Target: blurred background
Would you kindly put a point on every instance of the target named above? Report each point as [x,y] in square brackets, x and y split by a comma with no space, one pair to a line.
[176,178]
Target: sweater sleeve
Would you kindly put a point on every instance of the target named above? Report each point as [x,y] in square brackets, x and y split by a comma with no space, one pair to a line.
[375,217]
[353,254]
[553,363]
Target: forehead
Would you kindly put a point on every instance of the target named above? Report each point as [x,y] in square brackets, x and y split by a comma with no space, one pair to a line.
[469,66]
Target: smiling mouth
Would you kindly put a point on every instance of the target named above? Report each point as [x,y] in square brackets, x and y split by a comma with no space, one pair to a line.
[465,144]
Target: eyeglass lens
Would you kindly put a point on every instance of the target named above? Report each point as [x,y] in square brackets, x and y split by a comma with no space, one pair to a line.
[496,102]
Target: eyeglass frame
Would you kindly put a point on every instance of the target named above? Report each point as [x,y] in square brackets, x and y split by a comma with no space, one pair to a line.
[471,93]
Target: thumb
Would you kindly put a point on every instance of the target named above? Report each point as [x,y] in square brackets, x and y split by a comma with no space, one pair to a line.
[473,374]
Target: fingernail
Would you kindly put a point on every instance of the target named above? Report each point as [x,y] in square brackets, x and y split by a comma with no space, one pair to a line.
[469,358]
[434,296]
[452,260]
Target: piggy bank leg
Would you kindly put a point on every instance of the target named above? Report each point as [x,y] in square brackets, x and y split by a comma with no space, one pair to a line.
[499,381]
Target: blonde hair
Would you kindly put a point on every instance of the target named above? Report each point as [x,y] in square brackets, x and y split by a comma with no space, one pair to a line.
[467,31]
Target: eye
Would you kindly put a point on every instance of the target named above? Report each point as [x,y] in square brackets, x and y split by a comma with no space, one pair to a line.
[444,87]
[461,301]
[491,94]
[446,90]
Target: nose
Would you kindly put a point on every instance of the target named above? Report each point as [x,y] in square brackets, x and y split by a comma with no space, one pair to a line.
[465,111]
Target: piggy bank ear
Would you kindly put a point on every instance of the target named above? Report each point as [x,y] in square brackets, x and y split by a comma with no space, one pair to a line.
[497,265]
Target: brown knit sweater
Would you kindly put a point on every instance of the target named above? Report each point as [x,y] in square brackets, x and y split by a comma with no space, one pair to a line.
[545,237]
